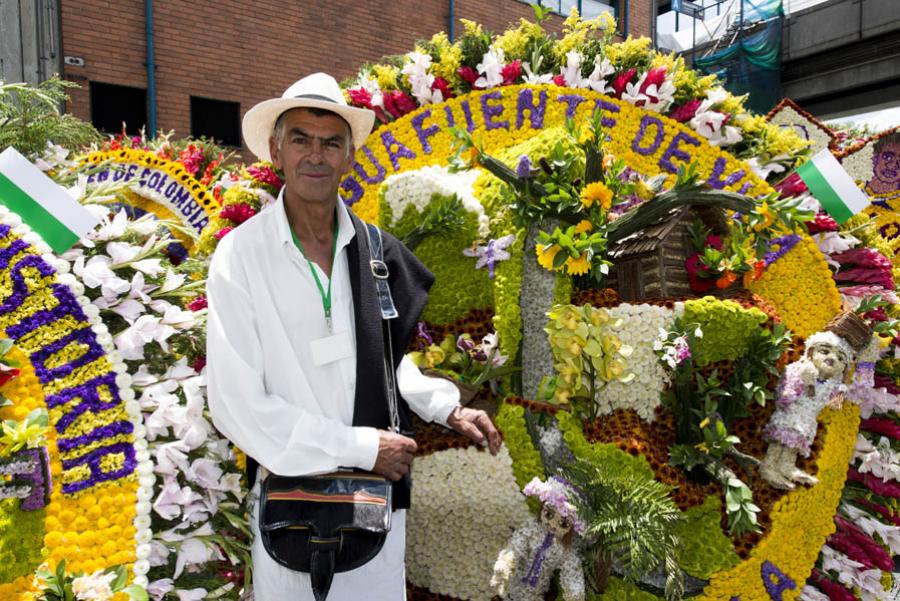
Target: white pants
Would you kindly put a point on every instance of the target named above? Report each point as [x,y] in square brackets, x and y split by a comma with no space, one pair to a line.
[382,579]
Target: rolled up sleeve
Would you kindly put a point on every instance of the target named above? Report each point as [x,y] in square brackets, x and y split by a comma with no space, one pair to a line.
[432,399]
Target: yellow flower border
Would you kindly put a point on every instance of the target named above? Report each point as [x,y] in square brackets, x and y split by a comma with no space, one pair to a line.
[801,288]
[788,547]
[92,528]
[506,116]
[150,160]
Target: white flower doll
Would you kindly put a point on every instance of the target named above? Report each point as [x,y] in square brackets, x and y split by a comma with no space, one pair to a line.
[526,565]
[807,386]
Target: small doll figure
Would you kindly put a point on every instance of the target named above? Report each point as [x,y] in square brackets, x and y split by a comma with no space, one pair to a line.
[807,386]
[525,566]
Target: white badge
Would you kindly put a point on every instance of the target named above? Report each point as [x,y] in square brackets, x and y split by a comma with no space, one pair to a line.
[331,348]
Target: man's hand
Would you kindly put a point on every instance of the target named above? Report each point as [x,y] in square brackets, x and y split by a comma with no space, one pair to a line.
[475,425]
[395,455]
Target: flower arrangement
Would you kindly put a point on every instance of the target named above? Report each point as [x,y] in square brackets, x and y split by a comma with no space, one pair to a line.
[102,585]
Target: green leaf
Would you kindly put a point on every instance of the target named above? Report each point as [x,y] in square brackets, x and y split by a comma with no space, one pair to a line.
[136,593]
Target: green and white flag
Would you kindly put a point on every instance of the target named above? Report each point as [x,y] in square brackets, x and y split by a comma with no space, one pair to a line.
[832,186]
[42,203]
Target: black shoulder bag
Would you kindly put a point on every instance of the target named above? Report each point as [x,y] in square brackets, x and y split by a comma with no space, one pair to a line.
[339,521]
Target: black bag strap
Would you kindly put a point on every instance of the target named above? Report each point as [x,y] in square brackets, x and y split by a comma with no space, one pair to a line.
[380,274]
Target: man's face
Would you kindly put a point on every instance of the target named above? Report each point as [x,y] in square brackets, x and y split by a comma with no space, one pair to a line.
[314,153]
[887,164]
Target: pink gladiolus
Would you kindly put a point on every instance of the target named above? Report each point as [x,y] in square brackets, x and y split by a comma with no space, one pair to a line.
[398,103]
[834,590]
[877,276]
[792,185]
[863,257]
[511,72]
[875,484]
[467,74]
[840,541]
[686,111]
[882,426]
[879,509]
[823,222]
[655,77]
[360,97]
[621,80]
[874,553]
[441,84]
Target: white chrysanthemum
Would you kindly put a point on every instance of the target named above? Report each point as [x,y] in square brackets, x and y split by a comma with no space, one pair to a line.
[415,188]
[465,506]
[639,329]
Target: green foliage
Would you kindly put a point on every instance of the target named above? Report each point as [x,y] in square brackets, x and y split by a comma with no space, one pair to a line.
[526,459]
[728,328]
[30,117]
[443,216]
[58,584]
[622,590]
[598,452]
[704,548]
[21,539]
[630,520]
[458,287]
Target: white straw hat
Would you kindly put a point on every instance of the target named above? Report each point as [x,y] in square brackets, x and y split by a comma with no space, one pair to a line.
[318,90]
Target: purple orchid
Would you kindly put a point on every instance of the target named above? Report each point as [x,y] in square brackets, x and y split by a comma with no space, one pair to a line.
[491,253]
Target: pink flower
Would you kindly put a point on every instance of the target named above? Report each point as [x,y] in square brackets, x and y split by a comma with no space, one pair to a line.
[655,77]
[265,175]
[198,364]
[441,84]
[238,212]
[198,303]
[622,80]
[222,232]
[468,75]
[7,373]
[875,484]
[686,111]
[880,509]
[885,427]
[698,276]
[511,72]
[834,590]
[790,186]
[360,97]
[823,222]
[714,241]
[875,555]
[398,103]
[560,80]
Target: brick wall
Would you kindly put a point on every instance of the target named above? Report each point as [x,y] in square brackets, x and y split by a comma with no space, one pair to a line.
[243,51]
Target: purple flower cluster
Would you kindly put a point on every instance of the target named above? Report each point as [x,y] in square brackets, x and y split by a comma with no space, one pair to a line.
[785,243]
[31,481]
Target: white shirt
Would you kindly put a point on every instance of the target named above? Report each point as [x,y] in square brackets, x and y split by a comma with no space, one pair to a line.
[265,393]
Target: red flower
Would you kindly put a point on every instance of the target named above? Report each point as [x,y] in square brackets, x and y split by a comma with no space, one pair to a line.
[7,373]
[880,509]
[511,72]
[222,232]
[238,212]
[398,103]
[467,74]
[885,427]
[874,483]
[621,80]
[559,80]
[873,552]
[198,303]
[441,84]
[198,364]
[654,76]
[698,275]
[714,241]
[792,185]
[265,175]
[360,97]
[834,591]
[822,223]
[686,111]
[886,382]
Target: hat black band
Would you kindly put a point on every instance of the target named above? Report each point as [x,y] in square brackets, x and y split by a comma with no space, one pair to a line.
[317,97]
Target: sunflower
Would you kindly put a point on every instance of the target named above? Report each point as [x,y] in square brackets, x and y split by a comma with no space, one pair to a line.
[546,255]
[596,192]
[579,266]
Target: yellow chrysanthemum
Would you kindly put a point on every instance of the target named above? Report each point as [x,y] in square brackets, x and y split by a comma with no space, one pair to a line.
[386,75]
[596,192]
[583,226]
[579,266]
[546,255]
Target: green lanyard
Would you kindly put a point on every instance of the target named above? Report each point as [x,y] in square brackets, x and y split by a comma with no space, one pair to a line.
[326,296]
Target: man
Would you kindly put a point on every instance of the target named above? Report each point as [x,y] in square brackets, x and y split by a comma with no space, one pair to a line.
[294,338]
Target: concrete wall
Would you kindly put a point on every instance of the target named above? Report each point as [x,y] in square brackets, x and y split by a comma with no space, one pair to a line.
[838,23]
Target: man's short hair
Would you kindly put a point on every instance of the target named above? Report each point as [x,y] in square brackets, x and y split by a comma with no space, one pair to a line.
[278,130]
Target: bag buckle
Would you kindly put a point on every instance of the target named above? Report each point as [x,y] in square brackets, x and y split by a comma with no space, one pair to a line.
[379,269]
